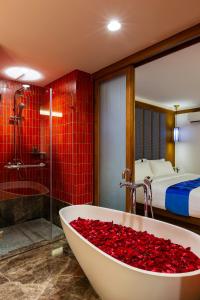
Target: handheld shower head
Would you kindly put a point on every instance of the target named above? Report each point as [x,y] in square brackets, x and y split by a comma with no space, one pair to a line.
[20,108]
[21,105]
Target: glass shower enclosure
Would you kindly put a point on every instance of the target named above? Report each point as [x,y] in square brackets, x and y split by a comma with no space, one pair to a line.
[25,168]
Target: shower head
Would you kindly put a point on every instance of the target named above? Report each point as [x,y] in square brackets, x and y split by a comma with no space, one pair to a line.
[19,93]
[20,108]
[26,86]
[21,105]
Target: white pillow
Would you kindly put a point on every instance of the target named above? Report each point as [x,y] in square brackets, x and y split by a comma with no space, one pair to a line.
[139,161]
[142,170]
[161,168]
[162,159]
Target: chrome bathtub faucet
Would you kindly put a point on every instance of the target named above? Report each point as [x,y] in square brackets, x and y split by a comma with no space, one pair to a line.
[132,186]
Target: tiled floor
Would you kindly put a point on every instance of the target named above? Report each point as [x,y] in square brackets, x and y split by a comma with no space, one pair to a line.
[37,275]
[25,235]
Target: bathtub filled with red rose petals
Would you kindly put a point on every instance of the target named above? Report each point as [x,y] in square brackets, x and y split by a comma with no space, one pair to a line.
[130,257]
[136,248]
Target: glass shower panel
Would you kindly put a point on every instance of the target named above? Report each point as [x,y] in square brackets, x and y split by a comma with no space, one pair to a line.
[112,142]
[47,129]
[25,162]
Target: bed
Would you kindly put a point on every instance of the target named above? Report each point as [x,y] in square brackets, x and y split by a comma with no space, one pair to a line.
[160,186]
[163,184]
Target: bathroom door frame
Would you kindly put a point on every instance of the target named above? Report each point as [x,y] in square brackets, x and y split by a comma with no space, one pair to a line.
[181,40]
[129,72]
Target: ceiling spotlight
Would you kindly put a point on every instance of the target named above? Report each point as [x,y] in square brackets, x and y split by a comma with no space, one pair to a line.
[23,73]
[114,25]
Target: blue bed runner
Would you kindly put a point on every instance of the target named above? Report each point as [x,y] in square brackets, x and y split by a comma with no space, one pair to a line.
[177,196]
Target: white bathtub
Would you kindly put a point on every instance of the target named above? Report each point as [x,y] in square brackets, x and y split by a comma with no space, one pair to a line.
[114,280]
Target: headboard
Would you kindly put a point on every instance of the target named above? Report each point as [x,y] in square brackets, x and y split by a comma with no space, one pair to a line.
[154,132]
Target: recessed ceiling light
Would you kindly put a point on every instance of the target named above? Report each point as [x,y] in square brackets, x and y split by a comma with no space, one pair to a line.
[23,73]
[114,25]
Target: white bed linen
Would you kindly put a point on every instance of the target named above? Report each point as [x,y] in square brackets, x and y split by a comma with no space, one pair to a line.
[160,185]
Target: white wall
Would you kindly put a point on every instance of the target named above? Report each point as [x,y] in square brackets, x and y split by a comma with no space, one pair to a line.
[187,151]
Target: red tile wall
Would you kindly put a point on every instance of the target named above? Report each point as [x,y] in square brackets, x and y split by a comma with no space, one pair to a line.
[83,140]
[30,131]
[73,138]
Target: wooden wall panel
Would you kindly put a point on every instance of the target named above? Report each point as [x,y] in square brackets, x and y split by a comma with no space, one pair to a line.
[130,127]
[170,149]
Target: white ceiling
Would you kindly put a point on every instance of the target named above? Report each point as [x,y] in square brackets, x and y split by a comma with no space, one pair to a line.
[58,36]
[173,79]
